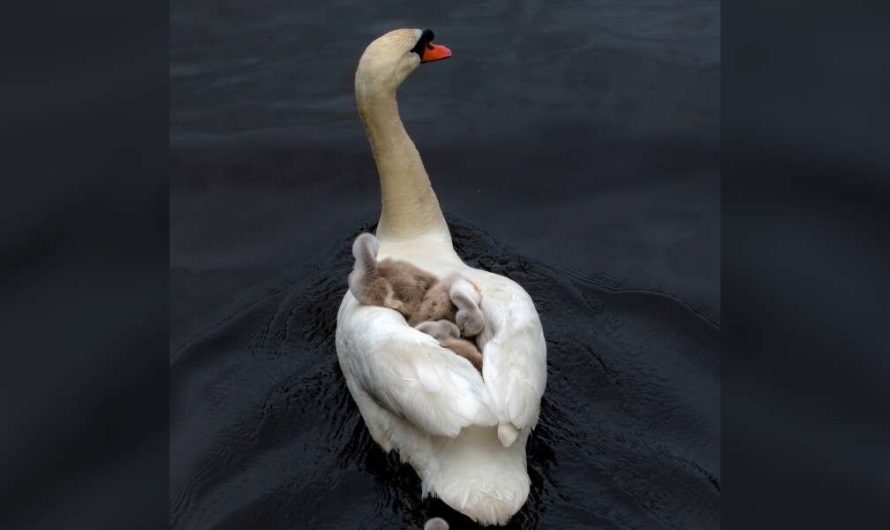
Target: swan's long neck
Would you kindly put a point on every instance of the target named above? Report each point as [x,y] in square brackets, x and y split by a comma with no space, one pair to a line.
[409,204]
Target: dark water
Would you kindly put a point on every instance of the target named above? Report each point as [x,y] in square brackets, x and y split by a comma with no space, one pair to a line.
[574,147]
[265,435]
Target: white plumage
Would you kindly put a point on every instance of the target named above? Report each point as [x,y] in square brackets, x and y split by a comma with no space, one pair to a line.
[463,433]
[432,406]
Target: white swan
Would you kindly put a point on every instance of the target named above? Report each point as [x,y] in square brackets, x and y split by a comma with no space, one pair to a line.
[463,434]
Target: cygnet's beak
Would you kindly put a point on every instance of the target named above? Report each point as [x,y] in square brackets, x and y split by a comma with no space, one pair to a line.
[434,52]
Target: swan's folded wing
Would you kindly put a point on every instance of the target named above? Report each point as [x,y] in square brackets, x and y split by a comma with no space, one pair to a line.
[408,373]
[515,353]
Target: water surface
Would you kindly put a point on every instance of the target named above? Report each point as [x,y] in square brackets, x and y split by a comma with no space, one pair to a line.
[574,148]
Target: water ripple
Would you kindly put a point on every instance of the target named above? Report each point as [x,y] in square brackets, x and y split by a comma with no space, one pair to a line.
[265,434]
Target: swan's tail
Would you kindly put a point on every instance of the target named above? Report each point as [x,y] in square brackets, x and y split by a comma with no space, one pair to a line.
[479,477]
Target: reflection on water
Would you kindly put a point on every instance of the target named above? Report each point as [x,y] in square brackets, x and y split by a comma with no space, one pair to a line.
[265,435]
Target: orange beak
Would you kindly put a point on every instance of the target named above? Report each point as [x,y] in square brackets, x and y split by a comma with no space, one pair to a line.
[434,52]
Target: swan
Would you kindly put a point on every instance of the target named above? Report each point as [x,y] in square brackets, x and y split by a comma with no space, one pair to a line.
[463,432]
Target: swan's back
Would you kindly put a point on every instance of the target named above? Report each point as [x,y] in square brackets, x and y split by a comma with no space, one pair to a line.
[433,407]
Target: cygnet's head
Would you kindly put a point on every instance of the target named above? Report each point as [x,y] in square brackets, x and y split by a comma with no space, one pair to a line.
[389,59]
[436,523]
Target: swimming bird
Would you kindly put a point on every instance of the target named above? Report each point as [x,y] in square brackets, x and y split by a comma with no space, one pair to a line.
[463,432]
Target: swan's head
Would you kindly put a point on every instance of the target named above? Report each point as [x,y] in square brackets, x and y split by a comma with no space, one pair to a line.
[388,61]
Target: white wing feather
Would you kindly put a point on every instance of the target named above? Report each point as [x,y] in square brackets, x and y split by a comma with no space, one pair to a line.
[408,373]
[514,352]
